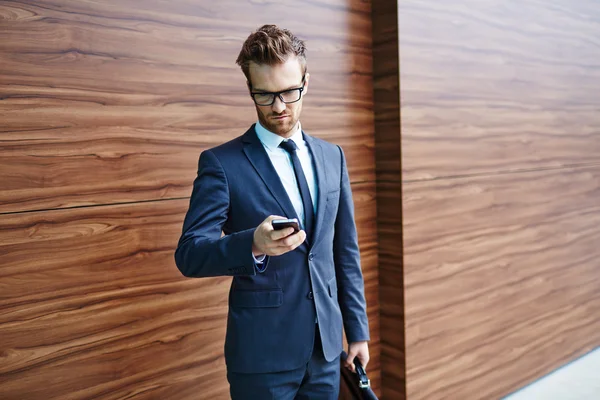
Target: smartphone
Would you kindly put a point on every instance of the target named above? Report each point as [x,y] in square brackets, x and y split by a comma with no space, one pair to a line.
[279,224]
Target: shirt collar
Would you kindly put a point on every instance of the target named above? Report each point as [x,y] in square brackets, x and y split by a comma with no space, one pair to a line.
[272,141]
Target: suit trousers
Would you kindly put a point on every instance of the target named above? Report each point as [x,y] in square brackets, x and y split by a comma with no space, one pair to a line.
[317,380]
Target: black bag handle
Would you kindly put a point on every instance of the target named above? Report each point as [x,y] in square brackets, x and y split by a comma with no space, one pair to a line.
[361,385]
[363,380]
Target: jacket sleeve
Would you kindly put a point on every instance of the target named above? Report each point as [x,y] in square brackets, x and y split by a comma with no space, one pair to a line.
[347,264]
[201,251]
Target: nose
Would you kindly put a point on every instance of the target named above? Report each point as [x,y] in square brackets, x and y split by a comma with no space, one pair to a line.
[278,105]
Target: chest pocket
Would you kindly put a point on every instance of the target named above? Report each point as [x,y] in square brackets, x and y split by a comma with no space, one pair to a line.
[332,202]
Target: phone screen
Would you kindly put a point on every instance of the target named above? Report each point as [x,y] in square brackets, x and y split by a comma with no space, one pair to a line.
[279,224]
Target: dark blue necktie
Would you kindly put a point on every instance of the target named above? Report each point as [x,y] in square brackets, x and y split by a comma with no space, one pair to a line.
[309,213]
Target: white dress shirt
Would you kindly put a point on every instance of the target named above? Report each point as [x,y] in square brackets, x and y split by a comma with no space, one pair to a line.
[282,161]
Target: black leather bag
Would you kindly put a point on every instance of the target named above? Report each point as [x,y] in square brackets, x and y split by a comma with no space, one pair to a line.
[354,386]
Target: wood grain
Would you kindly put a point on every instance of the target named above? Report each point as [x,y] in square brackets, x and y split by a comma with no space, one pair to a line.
[502,282]
[93,306]
[500,181]
[105,108]
[391,290]
[386,91]
[364,196]
[137,93]
[389,196]
[492,86]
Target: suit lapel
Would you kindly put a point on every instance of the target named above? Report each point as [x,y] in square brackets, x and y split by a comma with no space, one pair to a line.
[320,172]
[259,159]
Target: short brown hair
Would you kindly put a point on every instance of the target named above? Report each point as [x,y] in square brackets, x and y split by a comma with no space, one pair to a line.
[270,45]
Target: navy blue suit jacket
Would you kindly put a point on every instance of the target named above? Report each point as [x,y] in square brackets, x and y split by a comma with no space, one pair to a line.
[271,319]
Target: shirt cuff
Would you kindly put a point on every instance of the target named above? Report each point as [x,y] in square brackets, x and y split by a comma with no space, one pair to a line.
[260,259]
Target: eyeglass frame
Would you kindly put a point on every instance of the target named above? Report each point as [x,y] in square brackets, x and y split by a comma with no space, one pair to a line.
[278,94]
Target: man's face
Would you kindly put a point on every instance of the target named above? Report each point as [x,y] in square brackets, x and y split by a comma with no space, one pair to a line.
[279,118]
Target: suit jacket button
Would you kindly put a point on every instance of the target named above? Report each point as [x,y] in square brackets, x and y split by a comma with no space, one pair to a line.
[311,256]
[310,295]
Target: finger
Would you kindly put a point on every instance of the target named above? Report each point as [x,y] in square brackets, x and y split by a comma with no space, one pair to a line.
[274,250]
[281,244]
[287,240]
[350,367]
[277,250]
[280,234]
[294,240]
[350,361]
[364,361]
[286,244]
[300,239]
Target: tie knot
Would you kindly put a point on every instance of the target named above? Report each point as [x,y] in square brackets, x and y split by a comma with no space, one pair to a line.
[289,146]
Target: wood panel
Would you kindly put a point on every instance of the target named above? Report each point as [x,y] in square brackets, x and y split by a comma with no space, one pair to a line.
[500,167]
[364,196]
[502,281]
[105,108]
[92,305]
[389,196]
[498,86]
[137,92]
[391,290]
[386,87]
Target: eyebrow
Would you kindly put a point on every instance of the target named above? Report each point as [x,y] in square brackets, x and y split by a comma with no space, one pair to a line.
[283,90]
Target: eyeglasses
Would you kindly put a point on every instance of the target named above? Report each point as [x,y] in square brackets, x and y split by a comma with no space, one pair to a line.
[287,96]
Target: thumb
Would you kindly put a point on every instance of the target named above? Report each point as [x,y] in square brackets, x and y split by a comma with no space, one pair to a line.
[350,361]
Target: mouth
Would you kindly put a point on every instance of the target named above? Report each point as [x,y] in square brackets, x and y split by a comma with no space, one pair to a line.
[279,117]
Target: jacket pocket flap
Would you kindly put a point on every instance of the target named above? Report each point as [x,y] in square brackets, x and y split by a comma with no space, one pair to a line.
[256,298]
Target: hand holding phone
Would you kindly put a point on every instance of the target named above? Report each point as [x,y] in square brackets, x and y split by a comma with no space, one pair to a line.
[274,237]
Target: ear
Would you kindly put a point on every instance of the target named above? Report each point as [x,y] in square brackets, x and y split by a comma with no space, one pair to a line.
[306,79]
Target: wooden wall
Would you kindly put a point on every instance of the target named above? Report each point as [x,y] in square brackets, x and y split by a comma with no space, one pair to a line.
[389,196]
[105,108]
[501,192]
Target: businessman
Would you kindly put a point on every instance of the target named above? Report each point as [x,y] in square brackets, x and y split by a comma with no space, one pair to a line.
[292,292]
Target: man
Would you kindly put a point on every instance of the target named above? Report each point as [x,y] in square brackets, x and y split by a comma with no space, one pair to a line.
[291,292]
